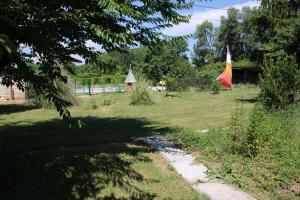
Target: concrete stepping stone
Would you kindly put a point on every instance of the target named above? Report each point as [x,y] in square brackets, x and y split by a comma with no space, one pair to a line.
[220,191]
[195,173]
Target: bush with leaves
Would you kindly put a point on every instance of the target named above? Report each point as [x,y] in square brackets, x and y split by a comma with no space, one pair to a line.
[280,81]
[200,79]
[216,87]
[238,129]
[250,136]
[208,74]
[140,95]
[177,84]
[263,125]
[65,92]
[105,100]
[93,104]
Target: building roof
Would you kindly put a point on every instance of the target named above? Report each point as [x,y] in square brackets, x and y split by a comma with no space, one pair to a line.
[130,78]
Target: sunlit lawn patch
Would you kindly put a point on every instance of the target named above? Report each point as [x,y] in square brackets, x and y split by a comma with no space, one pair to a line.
[43,159]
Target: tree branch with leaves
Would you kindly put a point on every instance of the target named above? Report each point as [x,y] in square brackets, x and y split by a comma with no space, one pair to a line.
[54,30]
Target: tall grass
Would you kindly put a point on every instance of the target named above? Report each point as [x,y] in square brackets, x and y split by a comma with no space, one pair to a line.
[265,144]
[140,95]
[106,100]
[248,137]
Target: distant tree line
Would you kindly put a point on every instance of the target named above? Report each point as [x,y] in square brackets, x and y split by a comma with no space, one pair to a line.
[267,36]
[155,64]
[251,34]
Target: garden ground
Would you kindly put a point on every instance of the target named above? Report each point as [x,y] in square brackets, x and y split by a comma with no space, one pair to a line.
[43,159]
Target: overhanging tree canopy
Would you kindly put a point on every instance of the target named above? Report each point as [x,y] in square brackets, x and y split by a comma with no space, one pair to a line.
[54,30]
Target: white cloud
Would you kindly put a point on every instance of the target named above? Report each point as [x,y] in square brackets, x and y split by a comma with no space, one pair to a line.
[95,46]
[78,57]
[212,15]
[90,44]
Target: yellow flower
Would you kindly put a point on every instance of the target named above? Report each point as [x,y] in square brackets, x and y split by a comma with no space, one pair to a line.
[162,82]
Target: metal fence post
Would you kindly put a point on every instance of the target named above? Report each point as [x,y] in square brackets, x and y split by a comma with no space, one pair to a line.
[89,84]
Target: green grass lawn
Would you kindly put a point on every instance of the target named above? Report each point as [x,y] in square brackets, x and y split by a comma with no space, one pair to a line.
[43,159]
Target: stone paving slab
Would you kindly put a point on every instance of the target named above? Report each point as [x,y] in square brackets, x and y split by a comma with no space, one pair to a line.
[220,191]
[195,173]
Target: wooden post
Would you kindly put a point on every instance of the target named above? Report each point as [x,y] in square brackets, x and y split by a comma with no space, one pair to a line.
[129,87]
[12,96]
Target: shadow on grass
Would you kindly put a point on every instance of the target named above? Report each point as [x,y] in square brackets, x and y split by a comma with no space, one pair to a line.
[28,136]
[172,94]
[14,108]
[46,160]
[251,100]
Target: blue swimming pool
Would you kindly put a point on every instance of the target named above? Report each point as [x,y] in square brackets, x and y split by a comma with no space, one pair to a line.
[101,89]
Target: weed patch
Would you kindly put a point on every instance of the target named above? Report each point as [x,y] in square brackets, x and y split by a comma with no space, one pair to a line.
[106,100]
[259,153]
[140,95]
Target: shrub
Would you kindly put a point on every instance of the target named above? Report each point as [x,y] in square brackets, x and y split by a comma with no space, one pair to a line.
[65,90]
[263,125]
[185,84]
[238,130]
[285,145]
[280,82]
[40,101]
[140,95]
[211,71]
[249,138]
[175,84]
[216,87]
[105,100]
[93,104]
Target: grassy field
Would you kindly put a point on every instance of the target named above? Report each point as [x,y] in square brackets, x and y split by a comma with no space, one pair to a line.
[25,127]
[42,159]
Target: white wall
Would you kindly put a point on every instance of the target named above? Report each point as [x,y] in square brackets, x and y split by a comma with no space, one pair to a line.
[6,93]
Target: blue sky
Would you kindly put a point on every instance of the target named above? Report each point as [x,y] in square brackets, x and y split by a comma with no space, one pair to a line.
[198,16]
[223,3]
[201,14]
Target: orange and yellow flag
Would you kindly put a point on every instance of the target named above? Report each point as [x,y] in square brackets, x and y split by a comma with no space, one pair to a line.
[226,77]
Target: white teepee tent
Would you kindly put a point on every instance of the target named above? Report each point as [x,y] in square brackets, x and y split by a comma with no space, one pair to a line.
[130,80]
[130,77]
